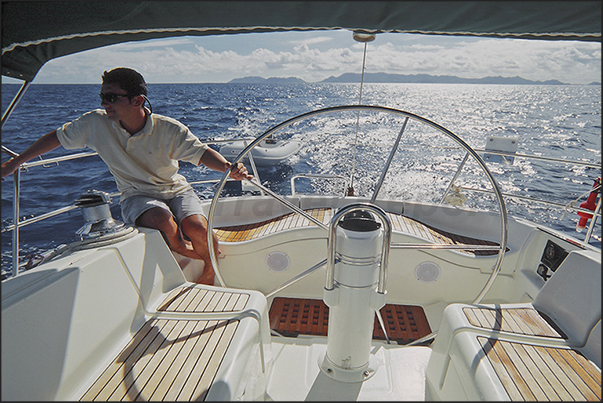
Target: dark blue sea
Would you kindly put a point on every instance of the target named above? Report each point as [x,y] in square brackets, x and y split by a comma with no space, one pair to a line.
[561,122]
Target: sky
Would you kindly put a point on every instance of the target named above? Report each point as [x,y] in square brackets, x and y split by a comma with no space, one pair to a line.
[314,56]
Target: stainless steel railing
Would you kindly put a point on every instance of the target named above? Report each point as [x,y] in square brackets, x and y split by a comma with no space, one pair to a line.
[17,223]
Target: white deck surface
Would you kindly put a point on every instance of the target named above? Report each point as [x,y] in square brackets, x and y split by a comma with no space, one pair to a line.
[400,373]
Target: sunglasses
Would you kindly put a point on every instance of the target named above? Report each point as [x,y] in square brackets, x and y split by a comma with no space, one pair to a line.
[111,98]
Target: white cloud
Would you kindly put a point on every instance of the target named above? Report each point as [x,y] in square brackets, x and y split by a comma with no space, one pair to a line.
[571,62]
[313,41]
[314,56]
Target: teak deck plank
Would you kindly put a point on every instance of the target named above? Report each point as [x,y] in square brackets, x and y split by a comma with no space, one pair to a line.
[400,223]
[530,372]
[514,320]
[172,359]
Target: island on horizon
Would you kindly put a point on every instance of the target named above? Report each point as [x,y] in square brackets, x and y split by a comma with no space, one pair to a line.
[399,78]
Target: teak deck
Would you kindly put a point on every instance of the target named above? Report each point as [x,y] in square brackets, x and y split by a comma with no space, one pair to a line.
[529,371]
[296,316]
[172,359]
[513,320]
[400,223]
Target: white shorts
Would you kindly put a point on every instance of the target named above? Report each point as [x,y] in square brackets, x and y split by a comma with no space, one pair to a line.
[183,205]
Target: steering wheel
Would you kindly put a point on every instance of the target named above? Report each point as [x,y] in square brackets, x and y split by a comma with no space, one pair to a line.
[407,115]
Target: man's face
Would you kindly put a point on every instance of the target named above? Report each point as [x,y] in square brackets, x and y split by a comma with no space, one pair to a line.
[120,107]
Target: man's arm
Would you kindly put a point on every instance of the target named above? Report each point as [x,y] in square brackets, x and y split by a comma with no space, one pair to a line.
[44,144]
[216,161]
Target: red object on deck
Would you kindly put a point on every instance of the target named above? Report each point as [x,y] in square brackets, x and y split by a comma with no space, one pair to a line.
[588,204]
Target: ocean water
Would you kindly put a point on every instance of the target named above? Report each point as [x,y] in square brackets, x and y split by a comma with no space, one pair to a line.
[562,122]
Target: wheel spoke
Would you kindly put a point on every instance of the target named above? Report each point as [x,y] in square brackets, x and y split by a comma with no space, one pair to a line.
[389,161]
[469,152]
[288,204]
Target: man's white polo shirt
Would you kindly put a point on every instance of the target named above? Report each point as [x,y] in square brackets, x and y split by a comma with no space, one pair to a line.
[143,163]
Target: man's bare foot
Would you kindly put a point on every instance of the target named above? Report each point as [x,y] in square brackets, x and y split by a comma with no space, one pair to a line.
[206,278]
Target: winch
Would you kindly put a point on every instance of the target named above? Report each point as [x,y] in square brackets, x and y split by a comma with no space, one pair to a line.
[97,215]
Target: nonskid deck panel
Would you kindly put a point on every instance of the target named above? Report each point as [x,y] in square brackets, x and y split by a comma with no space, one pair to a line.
[297,316]
[400,223]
